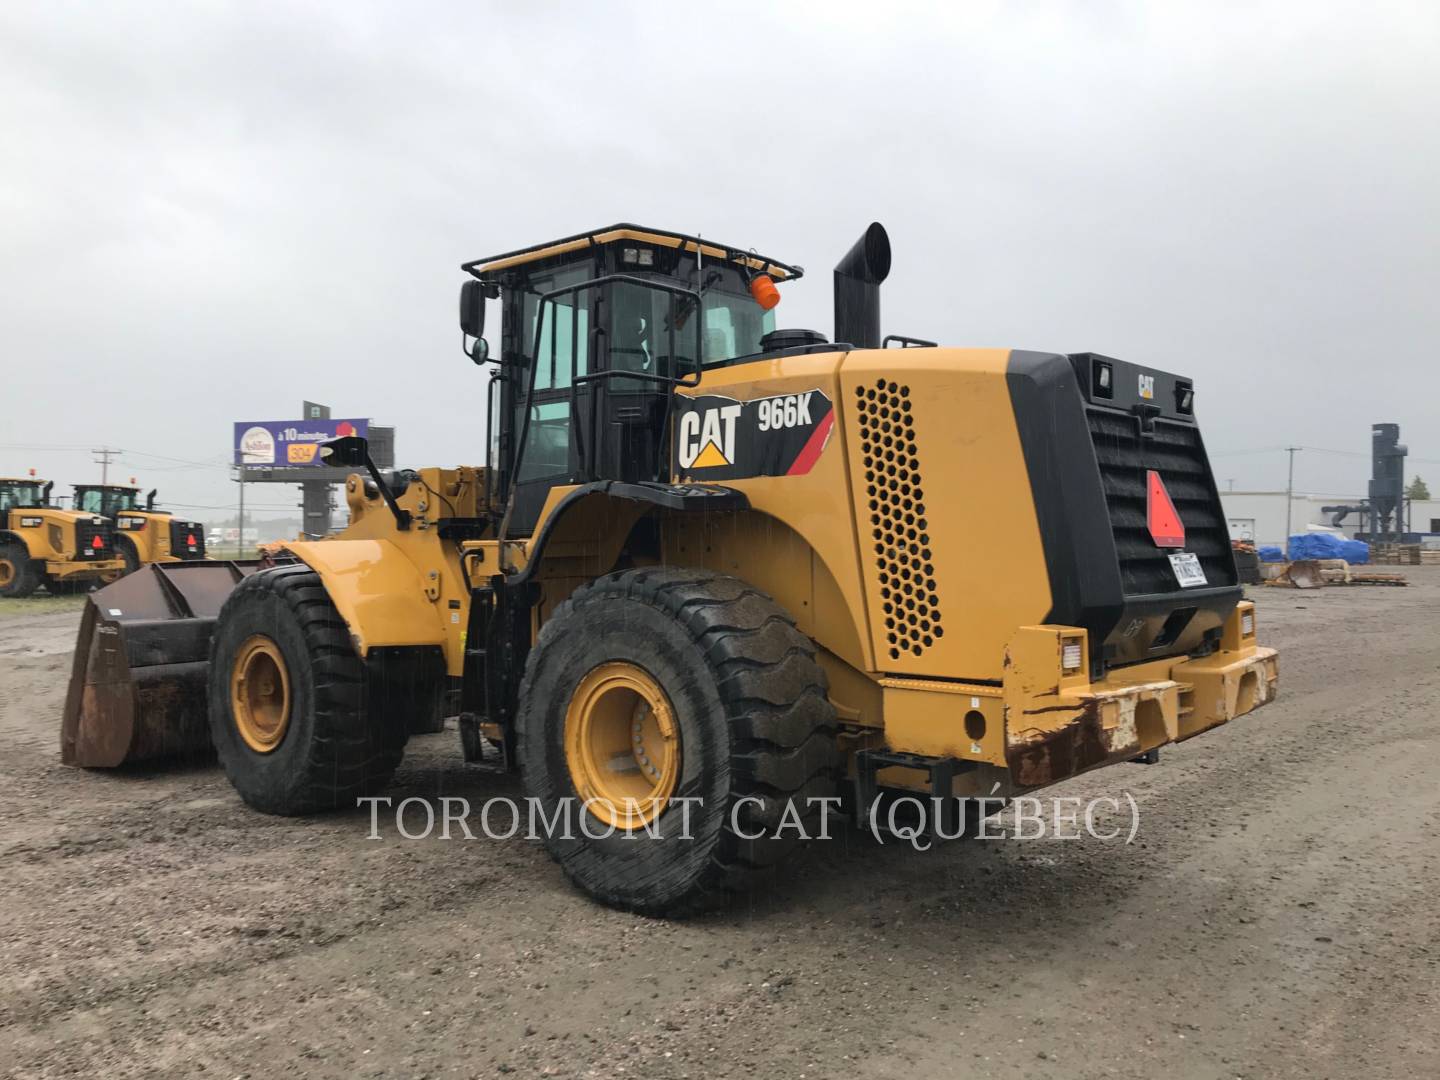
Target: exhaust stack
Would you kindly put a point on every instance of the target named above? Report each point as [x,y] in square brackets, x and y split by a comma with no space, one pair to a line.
[857,288]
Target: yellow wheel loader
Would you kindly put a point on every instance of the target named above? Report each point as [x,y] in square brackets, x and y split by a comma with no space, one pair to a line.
[143,534]
[67,551]
[714,577]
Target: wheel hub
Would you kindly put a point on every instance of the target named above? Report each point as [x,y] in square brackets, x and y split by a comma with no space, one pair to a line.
[7,572]
[622,745]
[260,693]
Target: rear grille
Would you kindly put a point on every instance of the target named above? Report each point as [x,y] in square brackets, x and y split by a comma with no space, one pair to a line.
[86,533]
[1174,451]
[187,539]
[899,530]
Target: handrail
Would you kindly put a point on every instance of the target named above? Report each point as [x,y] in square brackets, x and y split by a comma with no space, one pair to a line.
[791,272]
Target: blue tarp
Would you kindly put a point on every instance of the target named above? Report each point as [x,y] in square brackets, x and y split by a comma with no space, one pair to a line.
[1328,546]
[1356,552]
[1271,554]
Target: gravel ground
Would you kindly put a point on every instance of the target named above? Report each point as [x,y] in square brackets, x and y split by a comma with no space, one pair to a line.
[1276,915]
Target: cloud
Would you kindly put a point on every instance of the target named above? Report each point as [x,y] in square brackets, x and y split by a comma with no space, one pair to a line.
[210,212]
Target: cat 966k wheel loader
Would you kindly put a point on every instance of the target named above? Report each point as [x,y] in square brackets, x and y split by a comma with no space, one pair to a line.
[712,572]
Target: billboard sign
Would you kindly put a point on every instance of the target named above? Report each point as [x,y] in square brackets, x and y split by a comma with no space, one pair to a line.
[290,444]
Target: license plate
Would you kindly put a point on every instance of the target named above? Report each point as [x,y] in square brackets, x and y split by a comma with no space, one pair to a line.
[1187,569]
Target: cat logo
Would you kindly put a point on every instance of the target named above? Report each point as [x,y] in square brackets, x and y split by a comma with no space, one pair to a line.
[1147,387]
[720,438]
[707,437]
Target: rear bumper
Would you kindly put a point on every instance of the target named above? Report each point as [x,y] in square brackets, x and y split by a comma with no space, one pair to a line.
[1049,737]
[63,570]
[1048,720]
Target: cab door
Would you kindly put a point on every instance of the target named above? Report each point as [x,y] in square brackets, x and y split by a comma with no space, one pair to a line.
[547,450]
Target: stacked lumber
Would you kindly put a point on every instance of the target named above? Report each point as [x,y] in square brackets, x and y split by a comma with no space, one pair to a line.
[1383,554]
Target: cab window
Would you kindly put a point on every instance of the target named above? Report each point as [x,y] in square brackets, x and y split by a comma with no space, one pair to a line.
[562,354]
[18,495]
[565,336]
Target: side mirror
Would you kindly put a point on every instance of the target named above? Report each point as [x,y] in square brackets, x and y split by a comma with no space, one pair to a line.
[353,452]
[472,309]
[350,452]
[473,295]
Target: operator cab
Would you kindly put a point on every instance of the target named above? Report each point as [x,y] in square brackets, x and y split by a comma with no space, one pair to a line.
[107,500]
[21,494]
[596,332]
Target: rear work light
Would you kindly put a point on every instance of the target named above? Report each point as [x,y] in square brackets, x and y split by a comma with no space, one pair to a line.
[1102,379]
[1184,399]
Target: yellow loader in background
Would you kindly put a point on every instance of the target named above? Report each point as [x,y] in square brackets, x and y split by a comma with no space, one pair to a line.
[713,573]
[143,534]
[67,551]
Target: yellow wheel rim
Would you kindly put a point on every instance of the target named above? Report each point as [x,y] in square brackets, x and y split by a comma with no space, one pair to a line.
[622,745]
[260,693]
[7,572]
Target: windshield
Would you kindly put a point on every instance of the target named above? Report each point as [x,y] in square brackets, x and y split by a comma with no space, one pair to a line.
[16,494]
[733,322]
[96,500]
[650,328]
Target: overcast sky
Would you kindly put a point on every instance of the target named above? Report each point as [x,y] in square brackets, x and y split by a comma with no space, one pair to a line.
[209,211]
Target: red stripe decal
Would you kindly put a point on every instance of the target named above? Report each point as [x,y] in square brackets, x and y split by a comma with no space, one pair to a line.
[810,452]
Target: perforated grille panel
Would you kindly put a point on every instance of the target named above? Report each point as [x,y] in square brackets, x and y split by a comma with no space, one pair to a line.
[899,531]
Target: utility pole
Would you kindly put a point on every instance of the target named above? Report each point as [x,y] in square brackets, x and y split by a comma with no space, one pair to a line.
[103,456]
[1289,493]
[240,540]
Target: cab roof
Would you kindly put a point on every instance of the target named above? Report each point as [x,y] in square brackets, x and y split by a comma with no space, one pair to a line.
[20,480]
[625,231]
[108,487]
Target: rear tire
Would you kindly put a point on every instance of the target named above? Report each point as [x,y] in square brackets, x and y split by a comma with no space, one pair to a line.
[749,706]
[20,575]
[327,738]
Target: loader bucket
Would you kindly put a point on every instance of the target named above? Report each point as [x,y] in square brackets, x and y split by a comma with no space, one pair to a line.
[1305,574]
[137,688]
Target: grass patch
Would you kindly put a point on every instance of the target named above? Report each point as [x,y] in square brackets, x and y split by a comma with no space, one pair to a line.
[40,603]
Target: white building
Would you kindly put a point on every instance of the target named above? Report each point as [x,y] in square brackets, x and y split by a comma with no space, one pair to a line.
[1260,515]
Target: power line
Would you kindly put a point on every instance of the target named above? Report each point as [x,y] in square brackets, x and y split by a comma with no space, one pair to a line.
[43,447]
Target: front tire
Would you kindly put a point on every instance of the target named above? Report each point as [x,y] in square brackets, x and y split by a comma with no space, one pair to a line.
[20,575]
[125,549]
[726,709]
[297,721]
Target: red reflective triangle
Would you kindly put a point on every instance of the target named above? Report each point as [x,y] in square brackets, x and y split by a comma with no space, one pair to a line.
[96,543]
[190,539]
[1166,528]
